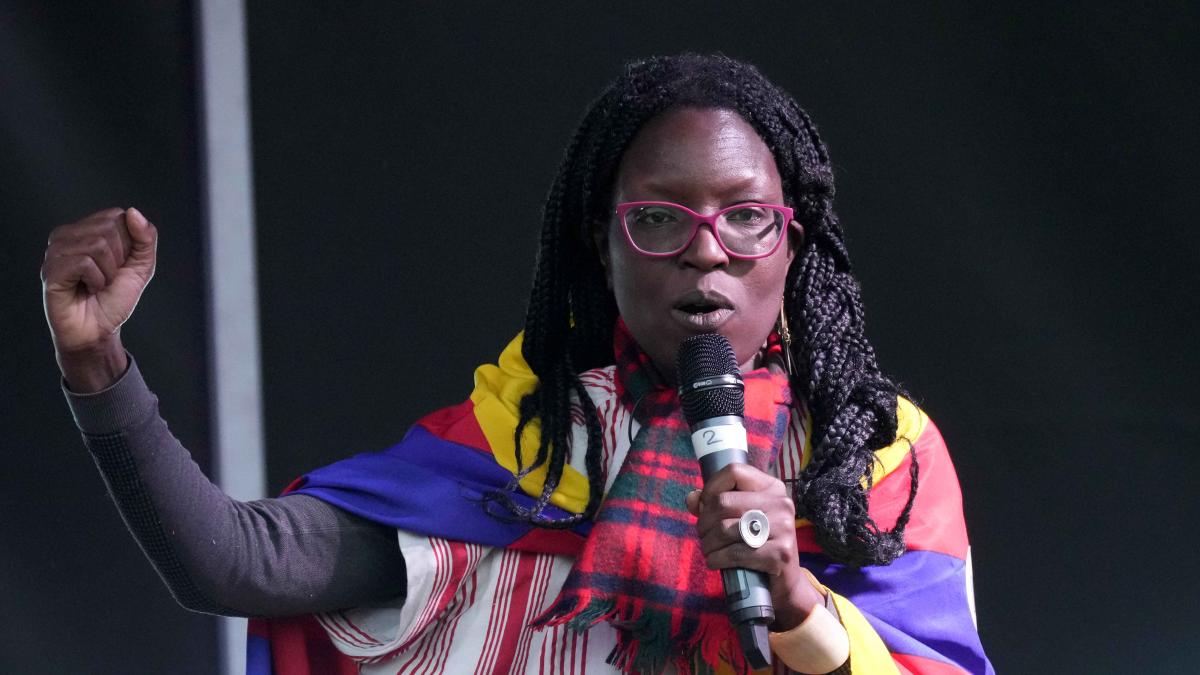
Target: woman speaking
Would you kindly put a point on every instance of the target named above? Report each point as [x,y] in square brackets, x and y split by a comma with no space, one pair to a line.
[557,519]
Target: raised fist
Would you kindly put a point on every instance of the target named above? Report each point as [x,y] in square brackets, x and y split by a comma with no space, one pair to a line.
[94,273]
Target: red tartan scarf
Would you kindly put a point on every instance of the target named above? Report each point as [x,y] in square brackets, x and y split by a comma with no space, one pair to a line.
[641,568]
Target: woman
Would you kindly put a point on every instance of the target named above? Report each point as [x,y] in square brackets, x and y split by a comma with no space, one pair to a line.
[695,197]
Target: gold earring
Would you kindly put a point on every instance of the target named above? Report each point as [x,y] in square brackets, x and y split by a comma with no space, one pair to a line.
[785,334]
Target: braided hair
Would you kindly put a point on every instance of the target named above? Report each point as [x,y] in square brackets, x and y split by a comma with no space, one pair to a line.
[571,313]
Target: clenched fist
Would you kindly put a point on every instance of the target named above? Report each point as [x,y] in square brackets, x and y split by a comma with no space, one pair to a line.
[92,278]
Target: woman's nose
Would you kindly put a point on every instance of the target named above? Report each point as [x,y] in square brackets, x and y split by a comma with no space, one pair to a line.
[705,251]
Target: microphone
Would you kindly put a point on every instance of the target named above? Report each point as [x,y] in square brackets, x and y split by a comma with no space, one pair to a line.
[713,398]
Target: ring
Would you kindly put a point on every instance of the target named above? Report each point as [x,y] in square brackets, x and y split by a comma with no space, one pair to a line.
[754,528]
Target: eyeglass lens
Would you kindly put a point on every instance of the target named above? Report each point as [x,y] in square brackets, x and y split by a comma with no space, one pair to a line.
[751,230]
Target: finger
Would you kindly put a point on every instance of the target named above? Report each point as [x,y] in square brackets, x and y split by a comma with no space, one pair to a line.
[100,224]
[772,558]
[66,273]
[716,531]
[721,481]
[734,503]
[118,239]
[692,502]
[719,529]
[751,479]
[96,247]
[106,214]
[742,477]
[121,241]
[105,217]
[719,534]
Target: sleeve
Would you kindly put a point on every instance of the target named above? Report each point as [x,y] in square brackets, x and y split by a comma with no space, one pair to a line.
[916,615]
[271,557]
[442,585]
[469,609]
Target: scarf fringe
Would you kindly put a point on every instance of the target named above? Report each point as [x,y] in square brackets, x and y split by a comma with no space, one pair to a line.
[644,641]
[577,614]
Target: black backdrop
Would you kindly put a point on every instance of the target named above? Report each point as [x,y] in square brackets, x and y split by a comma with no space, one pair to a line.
[1018,186]
[97,109]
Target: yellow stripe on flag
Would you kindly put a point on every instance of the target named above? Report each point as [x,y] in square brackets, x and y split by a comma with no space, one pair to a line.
[910,423]
[499,389]
[868,654]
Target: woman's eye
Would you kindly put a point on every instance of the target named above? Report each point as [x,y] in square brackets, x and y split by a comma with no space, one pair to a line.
[750,214]
[655,215]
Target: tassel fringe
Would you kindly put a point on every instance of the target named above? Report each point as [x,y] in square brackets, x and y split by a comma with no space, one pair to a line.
[644,642]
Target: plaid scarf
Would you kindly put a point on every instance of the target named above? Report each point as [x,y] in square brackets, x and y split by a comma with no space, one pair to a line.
[641,568]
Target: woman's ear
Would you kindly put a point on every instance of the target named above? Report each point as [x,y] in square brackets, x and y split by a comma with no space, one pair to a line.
[795,237]
[600,241]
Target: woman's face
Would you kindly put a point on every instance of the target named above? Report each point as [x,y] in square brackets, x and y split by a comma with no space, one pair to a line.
[704,159]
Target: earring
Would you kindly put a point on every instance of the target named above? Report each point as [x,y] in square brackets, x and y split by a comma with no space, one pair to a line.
[785,334]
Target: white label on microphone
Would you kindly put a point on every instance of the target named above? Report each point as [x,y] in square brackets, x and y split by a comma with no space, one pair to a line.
[718,437]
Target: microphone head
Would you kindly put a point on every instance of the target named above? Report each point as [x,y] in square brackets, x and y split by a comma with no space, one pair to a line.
[702,358]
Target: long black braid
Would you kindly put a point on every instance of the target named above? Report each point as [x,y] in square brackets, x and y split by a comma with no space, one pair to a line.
[571,313]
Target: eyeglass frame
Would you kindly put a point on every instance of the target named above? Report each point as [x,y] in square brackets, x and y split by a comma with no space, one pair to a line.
[699,219]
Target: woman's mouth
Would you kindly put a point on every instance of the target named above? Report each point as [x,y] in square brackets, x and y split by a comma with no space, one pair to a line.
[702,312]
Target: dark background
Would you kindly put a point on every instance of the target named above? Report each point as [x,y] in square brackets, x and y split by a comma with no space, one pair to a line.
[1019,186]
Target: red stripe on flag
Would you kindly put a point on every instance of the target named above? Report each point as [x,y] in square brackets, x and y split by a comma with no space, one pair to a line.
[919,665]
[936,520]
[806,540]
[457,424]
[554,542]
[300,647]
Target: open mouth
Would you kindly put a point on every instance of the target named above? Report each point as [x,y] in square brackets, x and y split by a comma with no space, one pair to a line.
[703,311]
[701,307]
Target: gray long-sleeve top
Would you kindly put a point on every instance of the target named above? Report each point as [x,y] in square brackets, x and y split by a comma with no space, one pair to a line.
[270,557]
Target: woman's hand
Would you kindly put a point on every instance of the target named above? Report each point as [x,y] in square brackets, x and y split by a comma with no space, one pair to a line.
[93,275]
[733,491]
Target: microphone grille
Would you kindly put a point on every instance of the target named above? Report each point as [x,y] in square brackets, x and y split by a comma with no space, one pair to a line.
[699,358]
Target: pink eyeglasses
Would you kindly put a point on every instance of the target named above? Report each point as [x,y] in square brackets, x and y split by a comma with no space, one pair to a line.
[662,229]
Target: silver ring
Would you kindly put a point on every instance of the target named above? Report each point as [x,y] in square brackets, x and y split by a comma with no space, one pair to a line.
[754,528]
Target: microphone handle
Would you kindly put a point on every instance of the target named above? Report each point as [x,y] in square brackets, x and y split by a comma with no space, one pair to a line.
[746,591]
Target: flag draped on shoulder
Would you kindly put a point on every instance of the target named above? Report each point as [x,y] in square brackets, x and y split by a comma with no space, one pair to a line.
[917,614]
[913,616]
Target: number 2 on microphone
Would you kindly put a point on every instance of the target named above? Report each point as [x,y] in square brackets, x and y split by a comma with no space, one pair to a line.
[717,438]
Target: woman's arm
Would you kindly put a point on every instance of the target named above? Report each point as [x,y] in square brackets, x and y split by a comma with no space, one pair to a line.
[270,557]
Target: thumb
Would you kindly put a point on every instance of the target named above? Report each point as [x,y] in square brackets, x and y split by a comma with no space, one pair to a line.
[140,229]
[692,502]
[144,242]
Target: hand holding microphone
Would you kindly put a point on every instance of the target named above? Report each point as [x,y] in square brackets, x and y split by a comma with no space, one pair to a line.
[745,518]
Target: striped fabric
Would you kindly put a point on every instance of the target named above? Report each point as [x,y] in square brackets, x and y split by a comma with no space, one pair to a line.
[476,583]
